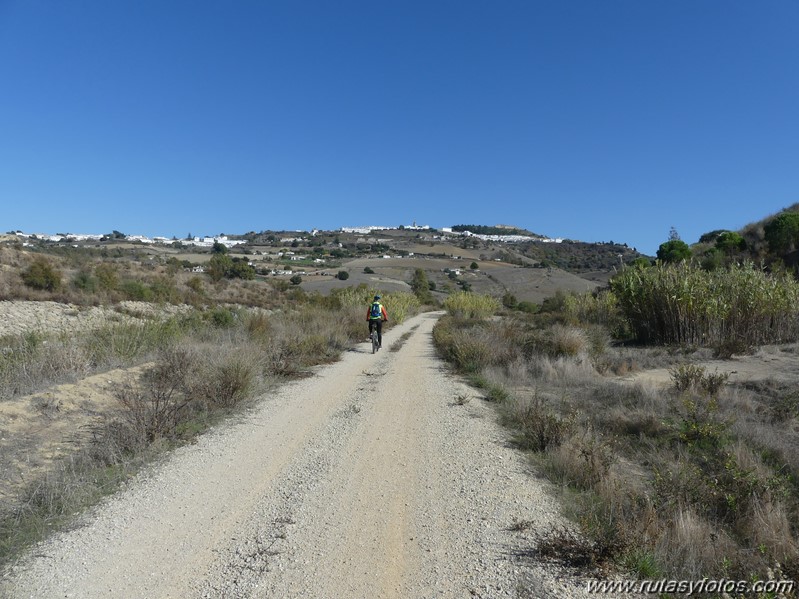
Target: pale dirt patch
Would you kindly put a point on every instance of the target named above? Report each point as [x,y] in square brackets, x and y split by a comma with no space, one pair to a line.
[778,363]
[19,317]
[39,429]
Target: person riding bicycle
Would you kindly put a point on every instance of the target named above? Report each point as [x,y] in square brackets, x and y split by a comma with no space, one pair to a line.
[376,315]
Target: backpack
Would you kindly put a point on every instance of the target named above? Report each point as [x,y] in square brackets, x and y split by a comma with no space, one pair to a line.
[377,310]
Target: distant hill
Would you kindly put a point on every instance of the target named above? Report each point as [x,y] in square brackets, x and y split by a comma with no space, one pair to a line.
[493,230]
[773,240]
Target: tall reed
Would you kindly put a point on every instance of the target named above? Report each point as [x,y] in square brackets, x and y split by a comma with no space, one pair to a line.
[741,306]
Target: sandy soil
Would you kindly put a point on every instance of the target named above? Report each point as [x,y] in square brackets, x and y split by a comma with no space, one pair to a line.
[776,363]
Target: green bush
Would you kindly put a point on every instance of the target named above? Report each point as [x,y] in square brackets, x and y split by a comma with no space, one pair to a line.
[42,275]
[106,276]
[136,291]
[85,281]
[222,317]
[342,275]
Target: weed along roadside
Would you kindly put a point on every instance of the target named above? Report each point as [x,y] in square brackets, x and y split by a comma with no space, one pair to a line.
[82,412]
[686,476]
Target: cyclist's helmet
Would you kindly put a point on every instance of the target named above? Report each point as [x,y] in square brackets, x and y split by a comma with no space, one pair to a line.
[377,297]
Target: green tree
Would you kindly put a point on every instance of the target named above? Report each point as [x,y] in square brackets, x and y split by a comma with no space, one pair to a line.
[240,269]
[42,275]
[219,266]
[421,286]
[343,275]
[219,248]
[730,242]
[296,280]
[674,250]
[782,233]
[474,266]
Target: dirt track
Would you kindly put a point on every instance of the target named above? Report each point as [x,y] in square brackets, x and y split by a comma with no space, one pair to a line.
[367,480]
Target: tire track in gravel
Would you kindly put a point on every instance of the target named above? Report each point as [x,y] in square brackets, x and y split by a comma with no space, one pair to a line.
[364,481]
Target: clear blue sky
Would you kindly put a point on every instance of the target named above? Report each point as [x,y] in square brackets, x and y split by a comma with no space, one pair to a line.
[595,120]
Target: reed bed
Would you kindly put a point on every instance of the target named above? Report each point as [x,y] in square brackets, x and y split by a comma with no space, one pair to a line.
[737,308]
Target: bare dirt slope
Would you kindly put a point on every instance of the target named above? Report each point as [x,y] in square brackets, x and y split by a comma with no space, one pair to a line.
[366,480]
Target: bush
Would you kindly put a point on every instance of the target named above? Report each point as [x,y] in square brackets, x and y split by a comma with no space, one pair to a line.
[84,281]
[106,276]
[368,270]
[42,275]
[342,275]
[296,280]
[539,427]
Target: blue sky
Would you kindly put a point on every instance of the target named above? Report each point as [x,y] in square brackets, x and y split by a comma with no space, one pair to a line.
[595,120]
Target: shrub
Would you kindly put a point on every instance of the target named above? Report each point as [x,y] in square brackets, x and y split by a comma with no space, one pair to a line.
[509,300]
[538,426]
[342,275]
[84,281]
[136,291]
[528,307]
[690,376]
[106,276]
[42,275]
[584,459]
[296,280]
[222,317]
[368,270]
[196,285]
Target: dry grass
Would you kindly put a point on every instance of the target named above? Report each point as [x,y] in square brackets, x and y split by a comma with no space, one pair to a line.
[692,481]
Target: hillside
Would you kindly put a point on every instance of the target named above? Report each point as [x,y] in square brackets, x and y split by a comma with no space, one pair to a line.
[214,270]
[772,241]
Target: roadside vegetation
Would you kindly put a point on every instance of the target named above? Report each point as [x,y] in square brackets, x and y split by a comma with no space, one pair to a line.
[228,344]
[690,480]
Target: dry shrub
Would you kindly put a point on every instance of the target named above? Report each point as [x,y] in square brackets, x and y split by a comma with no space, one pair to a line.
[692,547]
[225,377]
[567,341]
[538,426]
[565,371]
[471,352]
[582,460]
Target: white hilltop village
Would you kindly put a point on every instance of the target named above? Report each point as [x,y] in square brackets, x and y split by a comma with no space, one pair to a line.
[76,237]
[208,242]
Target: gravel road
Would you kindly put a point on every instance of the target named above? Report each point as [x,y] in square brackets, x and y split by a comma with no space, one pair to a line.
[366,480]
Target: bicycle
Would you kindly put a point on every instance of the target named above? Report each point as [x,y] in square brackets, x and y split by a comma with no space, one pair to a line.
[374,338]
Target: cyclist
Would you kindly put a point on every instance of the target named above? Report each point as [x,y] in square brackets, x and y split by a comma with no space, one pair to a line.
[376,315]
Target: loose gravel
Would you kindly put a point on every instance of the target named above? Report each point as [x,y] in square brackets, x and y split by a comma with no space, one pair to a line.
[366,480]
